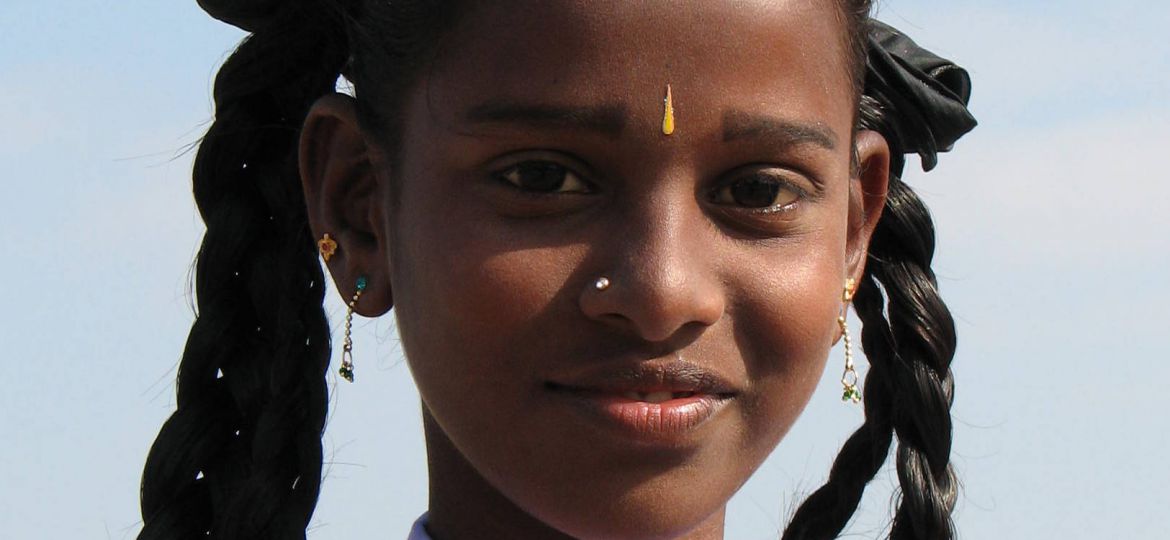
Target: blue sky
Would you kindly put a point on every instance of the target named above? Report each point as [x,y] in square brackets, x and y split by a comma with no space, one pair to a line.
[1052,254]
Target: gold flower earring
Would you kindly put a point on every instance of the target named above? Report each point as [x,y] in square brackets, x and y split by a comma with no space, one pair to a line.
[849,378]
[327,247]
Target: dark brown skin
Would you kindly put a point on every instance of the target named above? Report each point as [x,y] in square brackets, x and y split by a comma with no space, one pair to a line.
[493,284]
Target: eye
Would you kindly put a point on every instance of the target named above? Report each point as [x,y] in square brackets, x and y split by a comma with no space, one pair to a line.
[542,177]
[760,190]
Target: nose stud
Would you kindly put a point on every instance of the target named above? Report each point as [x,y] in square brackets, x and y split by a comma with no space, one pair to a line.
[601,284]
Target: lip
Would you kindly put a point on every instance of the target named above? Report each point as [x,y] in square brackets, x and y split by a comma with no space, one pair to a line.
[614,399]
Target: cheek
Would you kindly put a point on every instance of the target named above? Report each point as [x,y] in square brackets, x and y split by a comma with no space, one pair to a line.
[470,303]
[785,331]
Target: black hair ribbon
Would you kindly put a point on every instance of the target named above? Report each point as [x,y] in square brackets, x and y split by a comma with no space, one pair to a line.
[247,15]
[922,98]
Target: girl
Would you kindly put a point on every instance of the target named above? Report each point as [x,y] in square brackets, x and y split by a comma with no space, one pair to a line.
[619,239]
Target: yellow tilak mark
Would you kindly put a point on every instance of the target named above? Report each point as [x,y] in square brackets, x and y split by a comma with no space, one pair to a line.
[668,114]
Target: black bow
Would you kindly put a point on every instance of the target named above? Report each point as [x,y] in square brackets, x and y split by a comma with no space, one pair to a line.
[923,98]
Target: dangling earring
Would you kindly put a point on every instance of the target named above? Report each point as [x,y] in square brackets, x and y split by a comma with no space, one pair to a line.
[849,378]
[346,370]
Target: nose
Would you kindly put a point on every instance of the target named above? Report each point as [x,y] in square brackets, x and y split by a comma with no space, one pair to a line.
[661,276]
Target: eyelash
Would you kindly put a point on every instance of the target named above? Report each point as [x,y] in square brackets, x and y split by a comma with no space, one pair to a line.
[510,177]
[775,181]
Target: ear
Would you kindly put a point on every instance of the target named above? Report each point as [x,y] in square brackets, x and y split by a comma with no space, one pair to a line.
[867,197]
[340,173]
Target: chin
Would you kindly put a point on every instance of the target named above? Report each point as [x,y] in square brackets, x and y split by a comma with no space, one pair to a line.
[640,517]
[679,496]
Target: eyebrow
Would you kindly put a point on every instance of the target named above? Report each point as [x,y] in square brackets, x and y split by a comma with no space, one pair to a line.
[608,120]
[742,125]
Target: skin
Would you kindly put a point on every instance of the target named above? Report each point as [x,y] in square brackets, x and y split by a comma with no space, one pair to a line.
[493,284]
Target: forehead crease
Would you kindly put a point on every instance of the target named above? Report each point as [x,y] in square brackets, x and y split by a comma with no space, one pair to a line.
[607,119]
[739,124]
[502,36]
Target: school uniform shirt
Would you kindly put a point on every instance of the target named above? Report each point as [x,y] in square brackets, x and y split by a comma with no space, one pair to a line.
[419,531]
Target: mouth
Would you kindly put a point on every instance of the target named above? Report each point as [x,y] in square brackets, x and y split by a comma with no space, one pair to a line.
[648,403]
[656,397]
[653,397]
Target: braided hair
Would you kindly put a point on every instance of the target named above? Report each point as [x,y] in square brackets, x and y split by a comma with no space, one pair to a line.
[241,456]
[917,101]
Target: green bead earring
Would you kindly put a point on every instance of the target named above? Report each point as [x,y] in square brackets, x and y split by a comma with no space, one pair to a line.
[849,378]
[346,370]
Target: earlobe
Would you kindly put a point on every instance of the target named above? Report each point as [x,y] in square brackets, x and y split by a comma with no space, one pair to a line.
[343,199]
[867,197]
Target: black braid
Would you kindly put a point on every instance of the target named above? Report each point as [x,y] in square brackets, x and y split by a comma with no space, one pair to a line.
[909,339]
[919,375]
[241,456]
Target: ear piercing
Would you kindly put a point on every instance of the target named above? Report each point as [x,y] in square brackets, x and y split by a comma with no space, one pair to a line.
[668,113]
[346,370]
[601,284]
[849,378]
[327,247]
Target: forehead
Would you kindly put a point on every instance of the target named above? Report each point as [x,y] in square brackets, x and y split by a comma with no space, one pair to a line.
[775,56]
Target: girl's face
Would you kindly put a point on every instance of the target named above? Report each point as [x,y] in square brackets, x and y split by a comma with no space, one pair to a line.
[534,162]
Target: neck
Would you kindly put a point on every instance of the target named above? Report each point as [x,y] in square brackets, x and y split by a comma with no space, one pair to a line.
[463,505]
